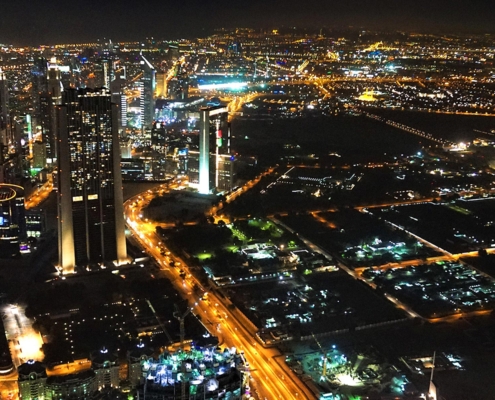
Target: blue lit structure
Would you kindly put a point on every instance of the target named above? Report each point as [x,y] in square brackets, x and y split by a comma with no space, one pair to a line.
[211,373]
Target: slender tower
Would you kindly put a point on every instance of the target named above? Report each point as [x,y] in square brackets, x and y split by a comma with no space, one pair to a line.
[4,112]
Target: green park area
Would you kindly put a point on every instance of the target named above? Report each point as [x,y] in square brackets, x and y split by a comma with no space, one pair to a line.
[243,247]
[205,241]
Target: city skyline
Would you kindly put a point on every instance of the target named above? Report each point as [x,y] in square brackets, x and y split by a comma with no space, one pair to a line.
[26,23]
[255,214]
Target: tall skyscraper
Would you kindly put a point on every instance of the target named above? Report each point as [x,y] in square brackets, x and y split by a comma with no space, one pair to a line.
[4,114]
[178,87]
[12,220]
[47,121]
[4,100]
[55,87]
[104,73]
[214,140]
[39,82]
[147,93]
[91,214]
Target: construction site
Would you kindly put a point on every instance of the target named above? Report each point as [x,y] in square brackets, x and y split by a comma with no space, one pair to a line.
[345,374]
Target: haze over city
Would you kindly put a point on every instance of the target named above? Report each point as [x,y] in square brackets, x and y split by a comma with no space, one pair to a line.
[55,21]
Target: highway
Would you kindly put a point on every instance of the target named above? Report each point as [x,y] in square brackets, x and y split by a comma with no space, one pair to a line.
[39,195]
[270,380]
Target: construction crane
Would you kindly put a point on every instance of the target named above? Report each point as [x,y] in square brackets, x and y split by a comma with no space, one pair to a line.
[159,321]
[324,371]
[181,317]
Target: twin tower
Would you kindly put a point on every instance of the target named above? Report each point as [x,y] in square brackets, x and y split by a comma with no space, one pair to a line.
[90,200]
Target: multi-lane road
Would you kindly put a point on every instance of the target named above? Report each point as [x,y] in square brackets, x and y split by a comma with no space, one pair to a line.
[39,195]
[269,379]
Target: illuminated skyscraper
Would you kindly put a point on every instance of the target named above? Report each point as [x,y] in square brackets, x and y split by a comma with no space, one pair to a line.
[91,214]
[55,87]
[4,113]
[214,141]
[104,73]
[12,220]
[39,82]
[147,92]
[47,121]
[161,85]
[4,101]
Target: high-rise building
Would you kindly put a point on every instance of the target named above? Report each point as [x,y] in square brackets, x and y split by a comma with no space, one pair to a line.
[38,160]
[47,122]
[4,100]
[91,220]
[178,87]
[12,220]
[214,139]
[147,93]
[104,73]
[55,87]
[117,83]
[161,85]
[4,113]
[39,82]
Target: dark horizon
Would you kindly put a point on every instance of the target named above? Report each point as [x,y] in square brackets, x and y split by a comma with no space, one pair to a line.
[25,22]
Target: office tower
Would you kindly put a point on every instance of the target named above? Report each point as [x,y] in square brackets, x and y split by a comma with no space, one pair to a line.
[47,122]
[214,139]
[179,85]
[123,111]
[161,85]
[38,160]
[91,221]
[12,220]
[225,174]
[74,73]
[183,156]
[39,82]
[4,115]
[4,101]
[147,92]
[118,97]
[55,87]
[22,129]
[104,74]
[159,151]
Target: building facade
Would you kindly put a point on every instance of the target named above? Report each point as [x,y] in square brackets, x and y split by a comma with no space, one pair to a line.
[147,93]
[214,143]
[32,380]
[106,368]
[4,110]
[12,220]
[81,386]
[91,220]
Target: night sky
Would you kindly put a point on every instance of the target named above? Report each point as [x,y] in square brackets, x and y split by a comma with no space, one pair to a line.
[24,22]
